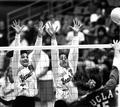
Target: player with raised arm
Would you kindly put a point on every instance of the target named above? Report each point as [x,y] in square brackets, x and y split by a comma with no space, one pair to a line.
[104,96]
[24,76]
[64,68]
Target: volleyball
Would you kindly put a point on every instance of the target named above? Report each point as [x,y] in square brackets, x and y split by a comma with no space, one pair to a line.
[115,15]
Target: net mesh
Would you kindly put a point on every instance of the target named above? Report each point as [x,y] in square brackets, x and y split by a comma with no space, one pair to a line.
[90,56]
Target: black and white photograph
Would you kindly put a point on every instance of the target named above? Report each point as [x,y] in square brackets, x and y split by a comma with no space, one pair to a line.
[59,53]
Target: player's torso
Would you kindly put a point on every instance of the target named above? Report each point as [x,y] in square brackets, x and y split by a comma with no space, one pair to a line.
[101,98]
[65,86]
[27,82]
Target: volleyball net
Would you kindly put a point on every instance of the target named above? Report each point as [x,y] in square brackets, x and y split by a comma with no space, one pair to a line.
[89,55]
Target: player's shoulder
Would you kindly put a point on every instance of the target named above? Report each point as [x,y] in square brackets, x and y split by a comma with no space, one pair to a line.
[20,68]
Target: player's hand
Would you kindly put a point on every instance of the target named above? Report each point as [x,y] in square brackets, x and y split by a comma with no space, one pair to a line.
[117,89]
[50,30]
[40,28]
[17,27]
[116,46]
[91,83]
[77,25]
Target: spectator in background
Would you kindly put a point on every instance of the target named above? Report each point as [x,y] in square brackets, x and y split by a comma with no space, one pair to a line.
[67,20]
[32,32]
[2,58]
[102,36]
[3,38]
[95,97]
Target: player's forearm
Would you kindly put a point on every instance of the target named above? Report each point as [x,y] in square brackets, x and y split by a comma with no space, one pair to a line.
[16,55]
[17,39]
[54,58]
[38,41]
[37,53]
[113,79]
[73,54]
[53,40]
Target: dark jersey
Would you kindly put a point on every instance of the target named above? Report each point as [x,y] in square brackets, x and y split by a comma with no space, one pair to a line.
[99,98]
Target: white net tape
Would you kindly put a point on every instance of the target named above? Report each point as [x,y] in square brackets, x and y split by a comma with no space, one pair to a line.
[57,47]
[87,46]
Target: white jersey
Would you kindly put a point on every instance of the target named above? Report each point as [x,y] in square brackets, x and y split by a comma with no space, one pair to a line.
[7,90]
[26,83]
[65,88]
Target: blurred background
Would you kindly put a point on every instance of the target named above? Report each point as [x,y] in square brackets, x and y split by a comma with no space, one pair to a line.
[94,14]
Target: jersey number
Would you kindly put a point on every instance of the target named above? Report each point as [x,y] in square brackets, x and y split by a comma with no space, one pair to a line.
[104,104]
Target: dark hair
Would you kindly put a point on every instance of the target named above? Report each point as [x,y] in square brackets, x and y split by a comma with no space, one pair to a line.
[95,75]
[101,28]
[60,103]
[23,51]
[10,53]
[64,51]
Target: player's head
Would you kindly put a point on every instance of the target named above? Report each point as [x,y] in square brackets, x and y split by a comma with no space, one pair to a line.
[63,59]
[96,76]
[24,61]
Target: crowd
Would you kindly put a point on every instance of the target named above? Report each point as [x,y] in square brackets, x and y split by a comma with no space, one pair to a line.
[90,71]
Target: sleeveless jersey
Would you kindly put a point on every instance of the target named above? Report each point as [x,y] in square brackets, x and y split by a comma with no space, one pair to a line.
[26,83]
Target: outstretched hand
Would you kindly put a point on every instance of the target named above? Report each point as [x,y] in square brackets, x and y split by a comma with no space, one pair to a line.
[40,28]
[91,83]
[17,26]
[116,45]
[50,30]
[77,25]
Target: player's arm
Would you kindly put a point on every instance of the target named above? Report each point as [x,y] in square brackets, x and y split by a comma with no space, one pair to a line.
[73,54]
[16,53]
[114,75]
[37,53]
[44,67]
[54,52]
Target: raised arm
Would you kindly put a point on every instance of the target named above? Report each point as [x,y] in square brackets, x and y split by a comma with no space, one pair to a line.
[37,53]
[73,54]
[116,59]
[16,53]
[115,72]
[54,52]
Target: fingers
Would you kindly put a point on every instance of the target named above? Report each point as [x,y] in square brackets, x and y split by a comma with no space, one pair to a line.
[77,22]
[16,24]
[50,30]
[41,26]
[92,83]
[77,25]
[116,43]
